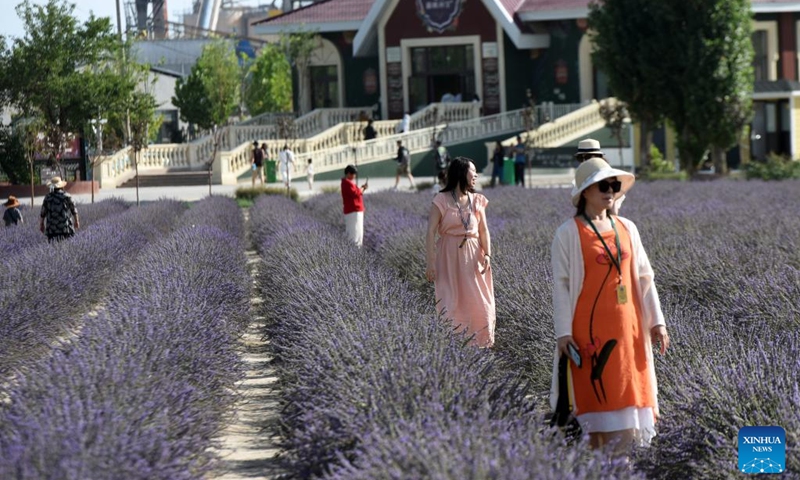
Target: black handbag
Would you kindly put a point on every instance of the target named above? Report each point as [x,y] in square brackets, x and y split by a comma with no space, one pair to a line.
[563,417]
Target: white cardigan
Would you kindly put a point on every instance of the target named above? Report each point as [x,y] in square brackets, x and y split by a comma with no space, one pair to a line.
[567,263]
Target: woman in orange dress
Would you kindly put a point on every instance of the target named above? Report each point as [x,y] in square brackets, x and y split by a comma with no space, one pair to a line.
[606,313]
[459,262]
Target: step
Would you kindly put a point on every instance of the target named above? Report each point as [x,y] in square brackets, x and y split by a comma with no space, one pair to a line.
[178,179]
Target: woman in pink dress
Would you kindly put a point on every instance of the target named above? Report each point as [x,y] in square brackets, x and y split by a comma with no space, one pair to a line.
[459,262]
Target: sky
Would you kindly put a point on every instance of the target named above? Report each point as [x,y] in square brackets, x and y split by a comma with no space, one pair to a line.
[11,25]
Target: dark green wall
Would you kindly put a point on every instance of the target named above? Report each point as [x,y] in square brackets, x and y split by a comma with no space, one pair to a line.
[354,68]
[537,69]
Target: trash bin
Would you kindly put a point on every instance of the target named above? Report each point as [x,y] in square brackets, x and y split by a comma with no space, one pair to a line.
[272,171]
[508,171]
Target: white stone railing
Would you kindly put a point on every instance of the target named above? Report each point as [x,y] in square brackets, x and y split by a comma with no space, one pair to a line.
[268,118]
[332,149]
[113,170]
[566,127]
[437,113]
[570,125]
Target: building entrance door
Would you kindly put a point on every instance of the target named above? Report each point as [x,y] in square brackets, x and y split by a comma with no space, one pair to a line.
[441,74]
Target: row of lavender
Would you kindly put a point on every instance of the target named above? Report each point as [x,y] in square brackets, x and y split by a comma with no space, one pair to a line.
[27,234]
[144,388]
[373,385]
[727,262]
[44,288]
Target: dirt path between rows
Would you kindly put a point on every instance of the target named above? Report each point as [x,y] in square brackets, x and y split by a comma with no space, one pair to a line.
[248,449]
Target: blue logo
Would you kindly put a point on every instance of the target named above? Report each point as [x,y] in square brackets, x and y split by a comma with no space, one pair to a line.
[762,450]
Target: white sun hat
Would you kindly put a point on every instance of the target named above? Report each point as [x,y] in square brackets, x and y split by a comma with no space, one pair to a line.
[589,146]
[592,171]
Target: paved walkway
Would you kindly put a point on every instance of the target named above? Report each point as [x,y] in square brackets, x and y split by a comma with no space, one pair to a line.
[555,179]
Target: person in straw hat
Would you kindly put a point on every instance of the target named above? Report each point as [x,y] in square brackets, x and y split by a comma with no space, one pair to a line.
[12,215]
[59,217]
[607,315]
[590,148]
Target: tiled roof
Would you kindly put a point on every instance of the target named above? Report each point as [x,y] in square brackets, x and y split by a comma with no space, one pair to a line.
[547,5]
[511,6]
[776,86]
[326,11]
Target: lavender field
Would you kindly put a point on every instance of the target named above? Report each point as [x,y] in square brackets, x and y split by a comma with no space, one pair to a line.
[376,388]
[119,358]
[119,346]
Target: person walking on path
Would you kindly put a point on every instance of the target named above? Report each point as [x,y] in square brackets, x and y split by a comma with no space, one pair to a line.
[403,165]
[498,157]
[607,315]
[369,131]
[310,175]
[520,159]
[590,148]
[286,161]
[459,262]
[353,203]
[59,217]
[12,215]
[258,164]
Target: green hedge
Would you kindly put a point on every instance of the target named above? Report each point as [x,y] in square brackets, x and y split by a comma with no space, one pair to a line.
[776,167]
[250,193]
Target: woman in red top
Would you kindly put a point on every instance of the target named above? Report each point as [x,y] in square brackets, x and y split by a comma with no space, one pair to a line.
[353,201]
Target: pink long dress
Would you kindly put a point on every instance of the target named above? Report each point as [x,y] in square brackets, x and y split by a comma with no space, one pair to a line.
[463,294]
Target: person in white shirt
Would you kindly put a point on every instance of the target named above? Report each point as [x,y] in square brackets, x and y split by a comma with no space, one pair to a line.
[286,163]
[405,124]
[310,175]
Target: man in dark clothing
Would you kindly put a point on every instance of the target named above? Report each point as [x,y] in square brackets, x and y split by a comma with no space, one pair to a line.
[403,165]
[442,157]
[369,131]
[258,164]
[59,217]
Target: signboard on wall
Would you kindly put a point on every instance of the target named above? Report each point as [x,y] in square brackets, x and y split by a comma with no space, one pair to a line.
[491,86]
[370,80]
[439,15]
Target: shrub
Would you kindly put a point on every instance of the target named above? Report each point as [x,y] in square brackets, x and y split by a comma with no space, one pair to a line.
[250,193]
[776,167]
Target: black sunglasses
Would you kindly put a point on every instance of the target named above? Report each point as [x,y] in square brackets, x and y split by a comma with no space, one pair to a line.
[603,186]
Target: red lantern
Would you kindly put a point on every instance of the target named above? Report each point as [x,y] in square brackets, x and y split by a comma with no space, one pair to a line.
[562,73]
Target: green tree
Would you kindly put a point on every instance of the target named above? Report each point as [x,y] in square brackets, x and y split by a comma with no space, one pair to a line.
[713,78]
[298,48]
[628,41]
[12,156]
[213,87]
[688,61]
[269,82]
[47,71]
[192,101]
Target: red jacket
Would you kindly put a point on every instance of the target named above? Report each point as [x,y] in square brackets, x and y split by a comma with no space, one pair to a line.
[352,197]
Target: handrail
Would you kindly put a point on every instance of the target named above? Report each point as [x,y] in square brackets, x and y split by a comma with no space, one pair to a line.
[328,148]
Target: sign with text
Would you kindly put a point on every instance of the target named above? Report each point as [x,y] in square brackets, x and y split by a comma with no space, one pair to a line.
[439,15]
[762,450]
[558,157]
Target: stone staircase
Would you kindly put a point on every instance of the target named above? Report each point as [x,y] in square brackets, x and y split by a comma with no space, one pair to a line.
[171,179]
[340,144]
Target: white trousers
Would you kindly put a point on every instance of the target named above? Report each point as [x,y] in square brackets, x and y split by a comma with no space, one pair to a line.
[354,227]
[286,174]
